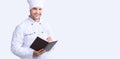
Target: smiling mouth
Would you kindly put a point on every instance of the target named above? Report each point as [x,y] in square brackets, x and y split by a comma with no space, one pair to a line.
[37,14]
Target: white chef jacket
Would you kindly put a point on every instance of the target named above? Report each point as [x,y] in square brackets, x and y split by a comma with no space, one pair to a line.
[24,35]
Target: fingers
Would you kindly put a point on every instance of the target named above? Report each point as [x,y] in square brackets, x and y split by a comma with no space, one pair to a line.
[41,50]
[37,53]
[49,39]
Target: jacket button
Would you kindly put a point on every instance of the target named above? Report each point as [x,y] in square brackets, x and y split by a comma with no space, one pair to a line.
[32,24]
[40,23]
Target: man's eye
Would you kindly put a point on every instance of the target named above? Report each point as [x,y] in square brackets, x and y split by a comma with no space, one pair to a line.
[40,9]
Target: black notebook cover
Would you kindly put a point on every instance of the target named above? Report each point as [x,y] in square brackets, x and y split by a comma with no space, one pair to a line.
[40,43]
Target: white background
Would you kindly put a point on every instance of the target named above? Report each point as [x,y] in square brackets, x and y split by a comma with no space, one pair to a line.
[86,29]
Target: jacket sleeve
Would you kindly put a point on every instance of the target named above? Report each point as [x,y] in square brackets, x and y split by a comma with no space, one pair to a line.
[17,42]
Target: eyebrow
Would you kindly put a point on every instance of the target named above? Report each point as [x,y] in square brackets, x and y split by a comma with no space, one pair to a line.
[36,8]
[40,8]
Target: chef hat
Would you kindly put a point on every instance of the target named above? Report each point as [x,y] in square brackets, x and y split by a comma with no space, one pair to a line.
[35,3]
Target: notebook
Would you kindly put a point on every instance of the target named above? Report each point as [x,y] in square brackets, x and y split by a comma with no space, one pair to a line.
[39,43]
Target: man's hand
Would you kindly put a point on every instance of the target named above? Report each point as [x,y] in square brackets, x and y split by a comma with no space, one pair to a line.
[49,39]
[37,53]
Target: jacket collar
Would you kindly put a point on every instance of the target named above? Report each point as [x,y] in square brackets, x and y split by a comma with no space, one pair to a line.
[32,21]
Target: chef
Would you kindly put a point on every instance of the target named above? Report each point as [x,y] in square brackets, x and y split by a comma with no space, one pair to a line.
[26,32]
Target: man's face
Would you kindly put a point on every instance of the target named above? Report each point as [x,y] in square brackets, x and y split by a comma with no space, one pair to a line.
[35,13]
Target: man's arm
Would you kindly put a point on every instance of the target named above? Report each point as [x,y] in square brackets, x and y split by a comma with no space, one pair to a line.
[17,42]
